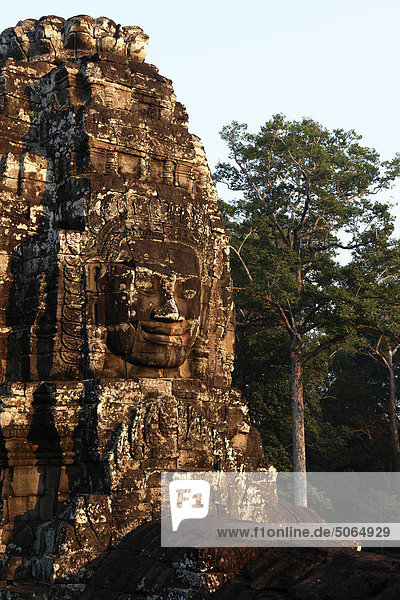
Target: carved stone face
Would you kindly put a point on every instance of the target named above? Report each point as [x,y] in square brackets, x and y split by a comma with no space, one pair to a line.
[152,303]
[78,33]
[47,38]
[105,32]
[136,43]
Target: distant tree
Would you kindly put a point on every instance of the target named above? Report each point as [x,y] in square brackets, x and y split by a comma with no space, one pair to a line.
[262,371]
[376,279]
[306,194]
[356,399]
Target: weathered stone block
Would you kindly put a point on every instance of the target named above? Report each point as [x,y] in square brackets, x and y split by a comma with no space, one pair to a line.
[116,324]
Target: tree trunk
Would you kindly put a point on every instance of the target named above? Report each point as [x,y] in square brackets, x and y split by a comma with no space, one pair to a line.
[393,416]
[299,448]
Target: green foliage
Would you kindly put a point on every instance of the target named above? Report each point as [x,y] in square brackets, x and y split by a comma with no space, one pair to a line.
[304,194]
[375,279]
[304,191]
[356,399]
[262,372]
[388,503]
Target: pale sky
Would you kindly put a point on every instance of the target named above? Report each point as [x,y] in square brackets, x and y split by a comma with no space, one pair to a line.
[336,61]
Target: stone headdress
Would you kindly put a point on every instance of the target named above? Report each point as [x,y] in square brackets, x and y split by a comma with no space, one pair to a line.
[107,145]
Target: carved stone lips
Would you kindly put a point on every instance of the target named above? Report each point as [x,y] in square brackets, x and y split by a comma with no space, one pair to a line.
[164,333]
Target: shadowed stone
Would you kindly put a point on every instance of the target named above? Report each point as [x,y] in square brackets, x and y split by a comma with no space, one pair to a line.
[116,314]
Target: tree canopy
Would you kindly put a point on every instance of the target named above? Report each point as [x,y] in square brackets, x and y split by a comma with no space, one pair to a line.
[305,194]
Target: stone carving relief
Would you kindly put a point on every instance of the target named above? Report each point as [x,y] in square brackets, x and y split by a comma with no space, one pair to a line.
[116,322]
[152,303]
[120,171]
[58,38]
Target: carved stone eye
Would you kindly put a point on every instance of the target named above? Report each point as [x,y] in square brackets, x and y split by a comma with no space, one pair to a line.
[188,289]
[147,283]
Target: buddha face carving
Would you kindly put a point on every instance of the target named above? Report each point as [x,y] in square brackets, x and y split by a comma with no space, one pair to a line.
[152,303]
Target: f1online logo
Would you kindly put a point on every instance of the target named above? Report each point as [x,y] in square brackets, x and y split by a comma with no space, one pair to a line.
[189,499]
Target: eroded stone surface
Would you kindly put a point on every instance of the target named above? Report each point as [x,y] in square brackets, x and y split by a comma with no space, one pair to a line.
[116,321]
[55,37]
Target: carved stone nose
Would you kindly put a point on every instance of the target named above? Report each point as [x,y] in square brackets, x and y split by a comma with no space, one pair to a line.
[167,311]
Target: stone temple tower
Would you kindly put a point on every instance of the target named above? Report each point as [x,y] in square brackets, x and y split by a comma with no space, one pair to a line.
[116,318]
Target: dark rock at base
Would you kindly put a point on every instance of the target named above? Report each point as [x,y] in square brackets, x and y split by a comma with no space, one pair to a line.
[138,568]
[315,574]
